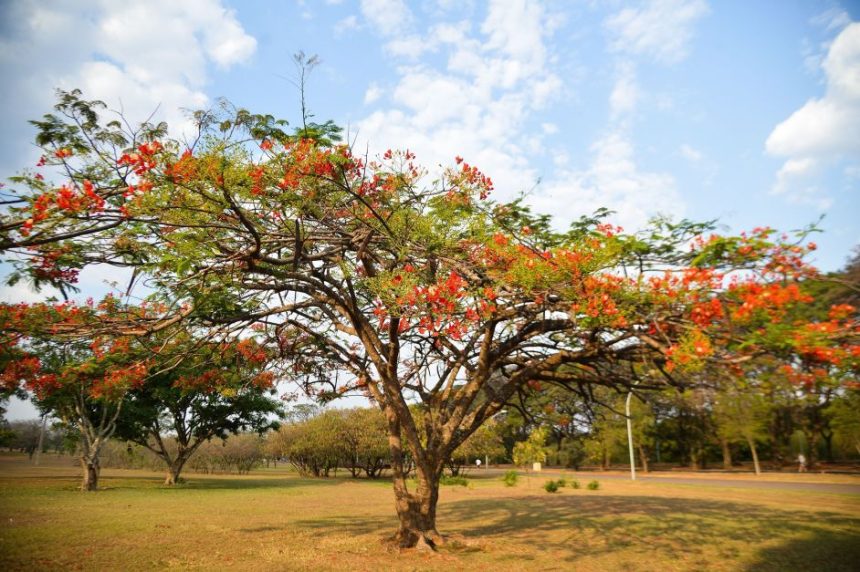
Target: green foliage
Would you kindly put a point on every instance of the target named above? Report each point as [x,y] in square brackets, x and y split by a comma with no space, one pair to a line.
[486,442]
[317,445]
[531,450]
[551,486]
[574,484]
[510,478]
[845,420]
[593,485]
[454,480]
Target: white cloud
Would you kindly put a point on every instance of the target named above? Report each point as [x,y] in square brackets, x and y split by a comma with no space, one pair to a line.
[131,55]
[388,17]
[834,18]
[612,180]
[795,181]
[625,93]
[690,153]
[346,24]
[477,102]
[479,105]
[823,130]
[412,47]
[373,93]
[661,29]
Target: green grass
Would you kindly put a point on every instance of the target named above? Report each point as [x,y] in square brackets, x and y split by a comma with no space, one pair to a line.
[274,520]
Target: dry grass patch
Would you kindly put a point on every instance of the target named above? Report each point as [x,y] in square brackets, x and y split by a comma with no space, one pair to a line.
[273,520]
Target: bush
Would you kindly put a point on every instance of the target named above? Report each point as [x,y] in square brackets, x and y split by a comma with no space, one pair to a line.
[510,479]
[593,486]
[451,480]
[574,484]
[550,486]
[562,482]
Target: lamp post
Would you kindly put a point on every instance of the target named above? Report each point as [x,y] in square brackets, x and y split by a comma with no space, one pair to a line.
[630,437]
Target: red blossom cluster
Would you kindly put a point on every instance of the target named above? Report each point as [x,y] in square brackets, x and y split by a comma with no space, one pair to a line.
[182,170]
[67,199]
[143,160]
[467,181]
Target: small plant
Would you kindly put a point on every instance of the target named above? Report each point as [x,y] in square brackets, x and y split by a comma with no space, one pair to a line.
[593,486]
[551,486]
[574,484]
[510,479]
[562,482]
[451,480]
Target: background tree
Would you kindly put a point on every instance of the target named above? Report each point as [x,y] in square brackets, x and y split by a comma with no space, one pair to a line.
[741,415]
[845,418]
[215,390]
[484,444]
[366,440]
[532,450]
[84,387]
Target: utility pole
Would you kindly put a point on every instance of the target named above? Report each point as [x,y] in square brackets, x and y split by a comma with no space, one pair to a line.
[630,437]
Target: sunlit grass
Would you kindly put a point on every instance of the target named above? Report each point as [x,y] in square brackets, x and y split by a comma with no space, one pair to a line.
[274,520]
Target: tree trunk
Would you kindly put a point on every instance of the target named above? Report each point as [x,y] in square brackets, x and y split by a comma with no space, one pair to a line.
[174,469]
[727,453]
[643,459]
[417,510]
[828,445]
[813,450]
[91,474]
[756,466]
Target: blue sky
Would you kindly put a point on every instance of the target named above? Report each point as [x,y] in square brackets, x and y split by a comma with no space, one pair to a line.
[744,111]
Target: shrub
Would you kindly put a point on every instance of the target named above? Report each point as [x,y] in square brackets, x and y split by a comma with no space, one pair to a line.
[593,486]
[454,480]
[574,484]
[510,479]
[550,486]
[562,482]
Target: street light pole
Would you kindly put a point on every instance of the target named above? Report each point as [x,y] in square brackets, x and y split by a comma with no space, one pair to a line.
[630,437]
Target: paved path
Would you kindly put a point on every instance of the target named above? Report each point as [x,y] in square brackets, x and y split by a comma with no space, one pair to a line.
[748,484]
[704,481]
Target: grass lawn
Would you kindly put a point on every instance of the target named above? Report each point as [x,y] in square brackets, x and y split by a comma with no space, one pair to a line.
[274,520]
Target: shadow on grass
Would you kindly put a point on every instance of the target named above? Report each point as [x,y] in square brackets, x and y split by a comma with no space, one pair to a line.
[667,528]
[350,525]
[239,483]
[823,550]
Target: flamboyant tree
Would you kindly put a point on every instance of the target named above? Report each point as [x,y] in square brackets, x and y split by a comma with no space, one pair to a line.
[82,382]
[369,276]
[91,367]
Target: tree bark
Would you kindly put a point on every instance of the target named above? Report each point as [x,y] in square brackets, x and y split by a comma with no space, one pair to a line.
[643,458]
[417,510]
[174,469]
[727,453]
[91,474]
